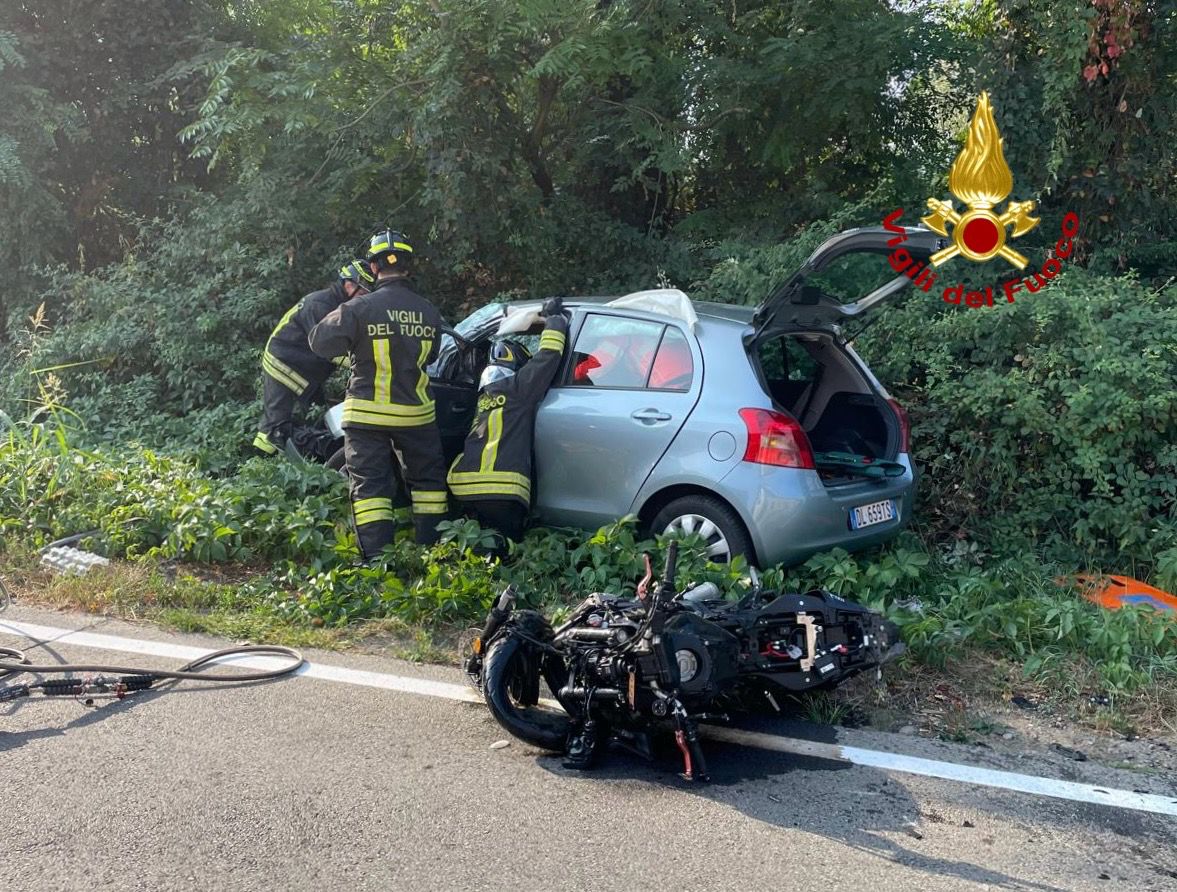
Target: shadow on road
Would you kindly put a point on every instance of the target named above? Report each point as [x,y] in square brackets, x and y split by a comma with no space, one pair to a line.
[852,805]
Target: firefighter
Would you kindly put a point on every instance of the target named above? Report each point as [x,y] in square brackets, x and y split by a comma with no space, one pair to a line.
[291,372]
[492,476]
[392,335]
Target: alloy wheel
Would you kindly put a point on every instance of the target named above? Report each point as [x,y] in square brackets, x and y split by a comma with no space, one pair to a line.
[718,549]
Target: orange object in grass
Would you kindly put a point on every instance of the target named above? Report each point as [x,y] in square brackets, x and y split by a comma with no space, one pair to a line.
[1117,591]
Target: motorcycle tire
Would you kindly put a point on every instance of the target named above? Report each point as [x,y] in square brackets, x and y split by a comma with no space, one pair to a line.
[510,679]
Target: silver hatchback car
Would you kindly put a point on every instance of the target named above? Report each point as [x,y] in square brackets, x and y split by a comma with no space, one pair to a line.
[705,418]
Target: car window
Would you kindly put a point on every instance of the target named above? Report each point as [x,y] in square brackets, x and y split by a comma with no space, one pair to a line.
[479,317]
[786,360]
[852,276]
[673,366]
[789,370]
[445,367]
[799,365]
[611,351]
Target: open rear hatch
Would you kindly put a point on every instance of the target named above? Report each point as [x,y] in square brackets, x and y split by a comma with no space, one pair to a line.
[856,431]
[838,281]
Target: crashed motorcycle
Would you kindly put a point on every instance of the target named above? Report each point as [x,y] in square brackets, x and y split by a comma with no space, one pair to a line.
[637,670]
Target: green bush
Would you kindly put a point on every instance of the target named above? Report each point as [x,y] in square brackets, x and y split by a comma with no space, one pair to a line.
[1012,607]
[146,504]
[1046,424]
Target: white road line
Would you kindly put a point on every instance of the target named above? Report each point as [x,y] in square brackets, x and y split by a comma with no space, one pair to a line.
[954,771]
[985,777]
[186,653]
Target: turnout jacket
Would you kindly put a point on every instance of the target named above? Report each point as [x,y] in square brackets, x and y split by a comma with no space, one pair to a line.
[288,358]
[496,461]
[392,335]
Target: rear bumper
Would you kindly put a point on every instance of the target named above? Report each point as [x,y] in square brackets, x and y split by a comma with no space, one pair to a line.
[792,515]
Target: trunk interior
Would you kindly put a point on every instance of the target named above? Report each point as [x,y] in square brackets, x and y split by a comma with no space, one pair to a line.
[816,382]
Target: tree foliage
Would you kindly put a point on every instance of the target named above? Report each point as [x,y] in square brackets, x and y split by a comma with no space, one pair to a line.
[175,174]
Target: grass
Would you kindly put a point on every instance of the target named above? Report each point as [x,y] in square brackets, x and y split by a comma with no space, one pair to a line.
[184,599]
[959,700]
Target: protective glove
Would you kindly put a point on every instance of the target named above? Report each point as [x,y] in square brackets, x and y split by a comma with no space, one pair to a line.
[552,307]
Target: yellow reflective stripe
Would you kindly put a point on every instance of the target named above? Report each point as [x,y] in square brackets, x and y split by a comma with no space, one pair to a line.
[491,489]
[474,477]
[429,501]
[286,318]
[358,404]
[374,516]
[282,378]
[494,433]
[276,371]
[423,381]
[385,420]
[384,246]
[372,510]
[262,442]
[378,502]
[383,385]
[387,414]
[275,363]
[552,340]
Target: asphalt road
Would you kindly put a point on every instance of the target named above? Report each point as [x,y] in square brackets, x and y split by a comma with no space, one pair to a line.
[319,785]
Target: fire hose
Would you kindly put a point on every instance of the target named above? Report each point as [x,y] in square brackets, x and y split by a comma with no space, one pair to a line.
[123,680]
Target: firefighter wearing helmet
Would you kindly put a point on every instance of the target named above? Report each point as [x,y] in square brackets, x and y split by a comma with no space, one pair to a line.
[492,476]
[291,371]
[392,334]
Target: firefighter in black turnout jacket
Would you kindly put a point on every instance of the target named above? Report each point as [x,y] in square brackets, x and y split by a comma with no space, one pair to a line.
[292,373]
[492,476]
[392,335]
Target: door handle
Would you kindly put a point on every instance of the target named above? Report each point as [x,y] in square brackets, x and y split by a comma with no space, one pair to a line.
[650,416]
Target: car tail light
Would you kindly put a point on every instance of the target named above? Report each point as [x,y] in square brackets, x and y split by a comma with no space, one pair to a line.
[904,426]
[776,439]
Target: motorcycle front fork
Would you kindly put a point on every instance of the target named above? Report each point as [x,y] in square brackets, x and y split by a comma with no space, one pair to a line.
[588,736]
[686,735]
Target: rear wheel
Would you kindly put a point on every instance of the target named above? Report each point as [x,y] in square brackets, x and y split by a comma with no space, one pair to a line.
[712,520]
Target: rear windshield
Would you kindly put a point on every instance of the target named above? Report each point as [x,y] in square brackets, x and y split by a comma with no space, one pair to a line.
[853,276]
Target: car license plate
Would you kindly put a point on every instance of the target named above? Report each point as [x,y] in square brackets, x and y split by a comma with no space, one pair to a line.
[869,515]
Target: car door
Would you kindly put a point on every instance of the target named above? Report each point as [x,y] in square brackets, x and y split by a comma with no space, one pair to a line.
[625,390]
[454,375]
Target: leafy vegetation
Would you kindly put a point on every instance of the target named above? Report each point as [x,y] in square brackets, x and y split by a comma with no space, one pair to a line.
[290,519]
[176,174]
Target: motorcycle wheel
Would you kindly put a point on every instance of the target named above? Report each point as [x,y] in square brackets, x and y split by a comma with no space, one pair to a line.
[510,683]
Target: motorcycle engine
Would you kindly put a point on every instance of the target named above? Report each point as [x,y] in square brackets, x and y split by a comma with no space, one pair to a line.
[705,656]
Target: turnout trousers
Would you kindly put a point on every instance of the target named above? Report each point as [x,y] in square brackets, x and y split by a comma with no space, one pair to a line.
[508,516]
[369,455]
[278,404]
